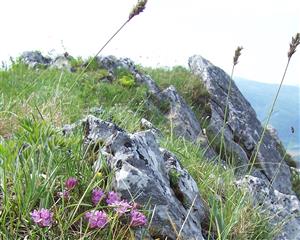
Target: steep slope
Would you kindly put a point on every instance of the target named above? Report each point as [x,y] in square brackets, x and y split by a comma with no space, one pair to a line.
[170,165]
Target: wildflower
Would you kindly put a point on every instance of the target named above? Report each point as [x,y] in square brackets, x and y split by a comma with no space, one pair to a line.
[137,219]
[96,219]
[121,207]
[138,8]
[97,195]
[71,183]
[64,194]
[42,217]
[112,197]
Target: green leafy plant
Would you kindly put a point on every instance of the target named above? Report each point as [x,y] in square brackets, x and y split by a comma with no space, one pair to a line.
[76,62]
[174,177]
[296,182]
[127,81]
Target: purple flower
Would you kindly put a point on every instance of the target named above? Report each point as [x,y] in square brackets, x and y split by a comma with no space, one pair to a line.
[64,194]
[112,197]
[97,195]
[121,207]
[71,183]
[96,219]
[42,217]
[137,219]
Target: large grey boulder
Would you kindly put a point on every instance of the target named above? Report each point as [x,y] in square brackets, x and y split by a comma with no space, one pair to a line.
[35,58]
[147,174]
[112,64]
[184,120]
[242,130]
[62,62]
[284,209]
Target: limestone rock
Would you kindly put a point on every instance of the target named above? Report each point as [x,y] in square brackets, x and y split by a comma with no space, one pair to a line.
[35,58]
[184,120]
[273,132]
[182,117]
[62,62]
[283,208]
[145,124]
[111,64]
[243,129]
[146,173]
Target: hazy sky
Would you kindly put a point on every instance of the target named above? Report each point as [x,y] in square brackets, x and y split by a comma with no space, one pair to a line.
[166,34]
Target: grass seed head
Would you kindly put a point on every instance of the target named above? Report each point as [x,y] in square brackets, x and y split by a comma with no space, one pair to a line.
[294,44]
[137,9]
[237,54]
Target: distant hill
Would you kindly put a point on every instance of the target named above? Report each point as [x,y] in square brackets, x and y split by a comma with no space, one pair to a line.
[286,113]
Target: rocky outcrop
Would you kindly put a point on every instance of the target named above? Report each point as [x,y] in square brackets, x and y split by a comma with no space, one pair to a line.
[112,64]
[148,174]
[62,62]
[242,130]
[184,120]
[284,209]
[273,132]
[35,58]
[179,113]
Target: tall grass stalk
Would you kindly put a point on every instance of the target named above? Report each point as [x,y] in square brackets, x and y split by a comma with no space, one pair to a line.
[186,218]
[236,56]
[137,9]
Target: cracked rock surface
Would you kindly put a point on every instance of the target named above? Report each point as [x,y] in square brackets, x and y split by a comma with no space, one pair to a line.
[150,175]
[284,209]
[243,129]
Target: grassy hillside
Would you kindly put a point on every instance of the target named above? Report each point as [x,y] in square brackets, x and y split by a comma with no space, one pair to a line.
[286,113]
[36,159]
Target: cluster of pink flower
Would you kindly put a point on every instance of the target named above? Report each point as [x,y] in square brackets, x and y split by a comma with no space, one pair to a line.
[96,219]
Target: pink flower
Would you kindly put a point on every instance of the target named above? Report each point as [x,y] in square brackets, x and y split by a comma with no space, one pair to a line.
[96,219]
[97,195]
[112,197]
[121,207]
[42,217]
[71,183]
[137,219]
[64,194]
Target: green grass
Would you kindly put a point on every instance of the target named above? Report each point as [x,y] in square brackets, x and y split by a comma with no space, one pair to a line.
[232,215]
[27,91]
[296,182]
[34,166]
[36,159]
